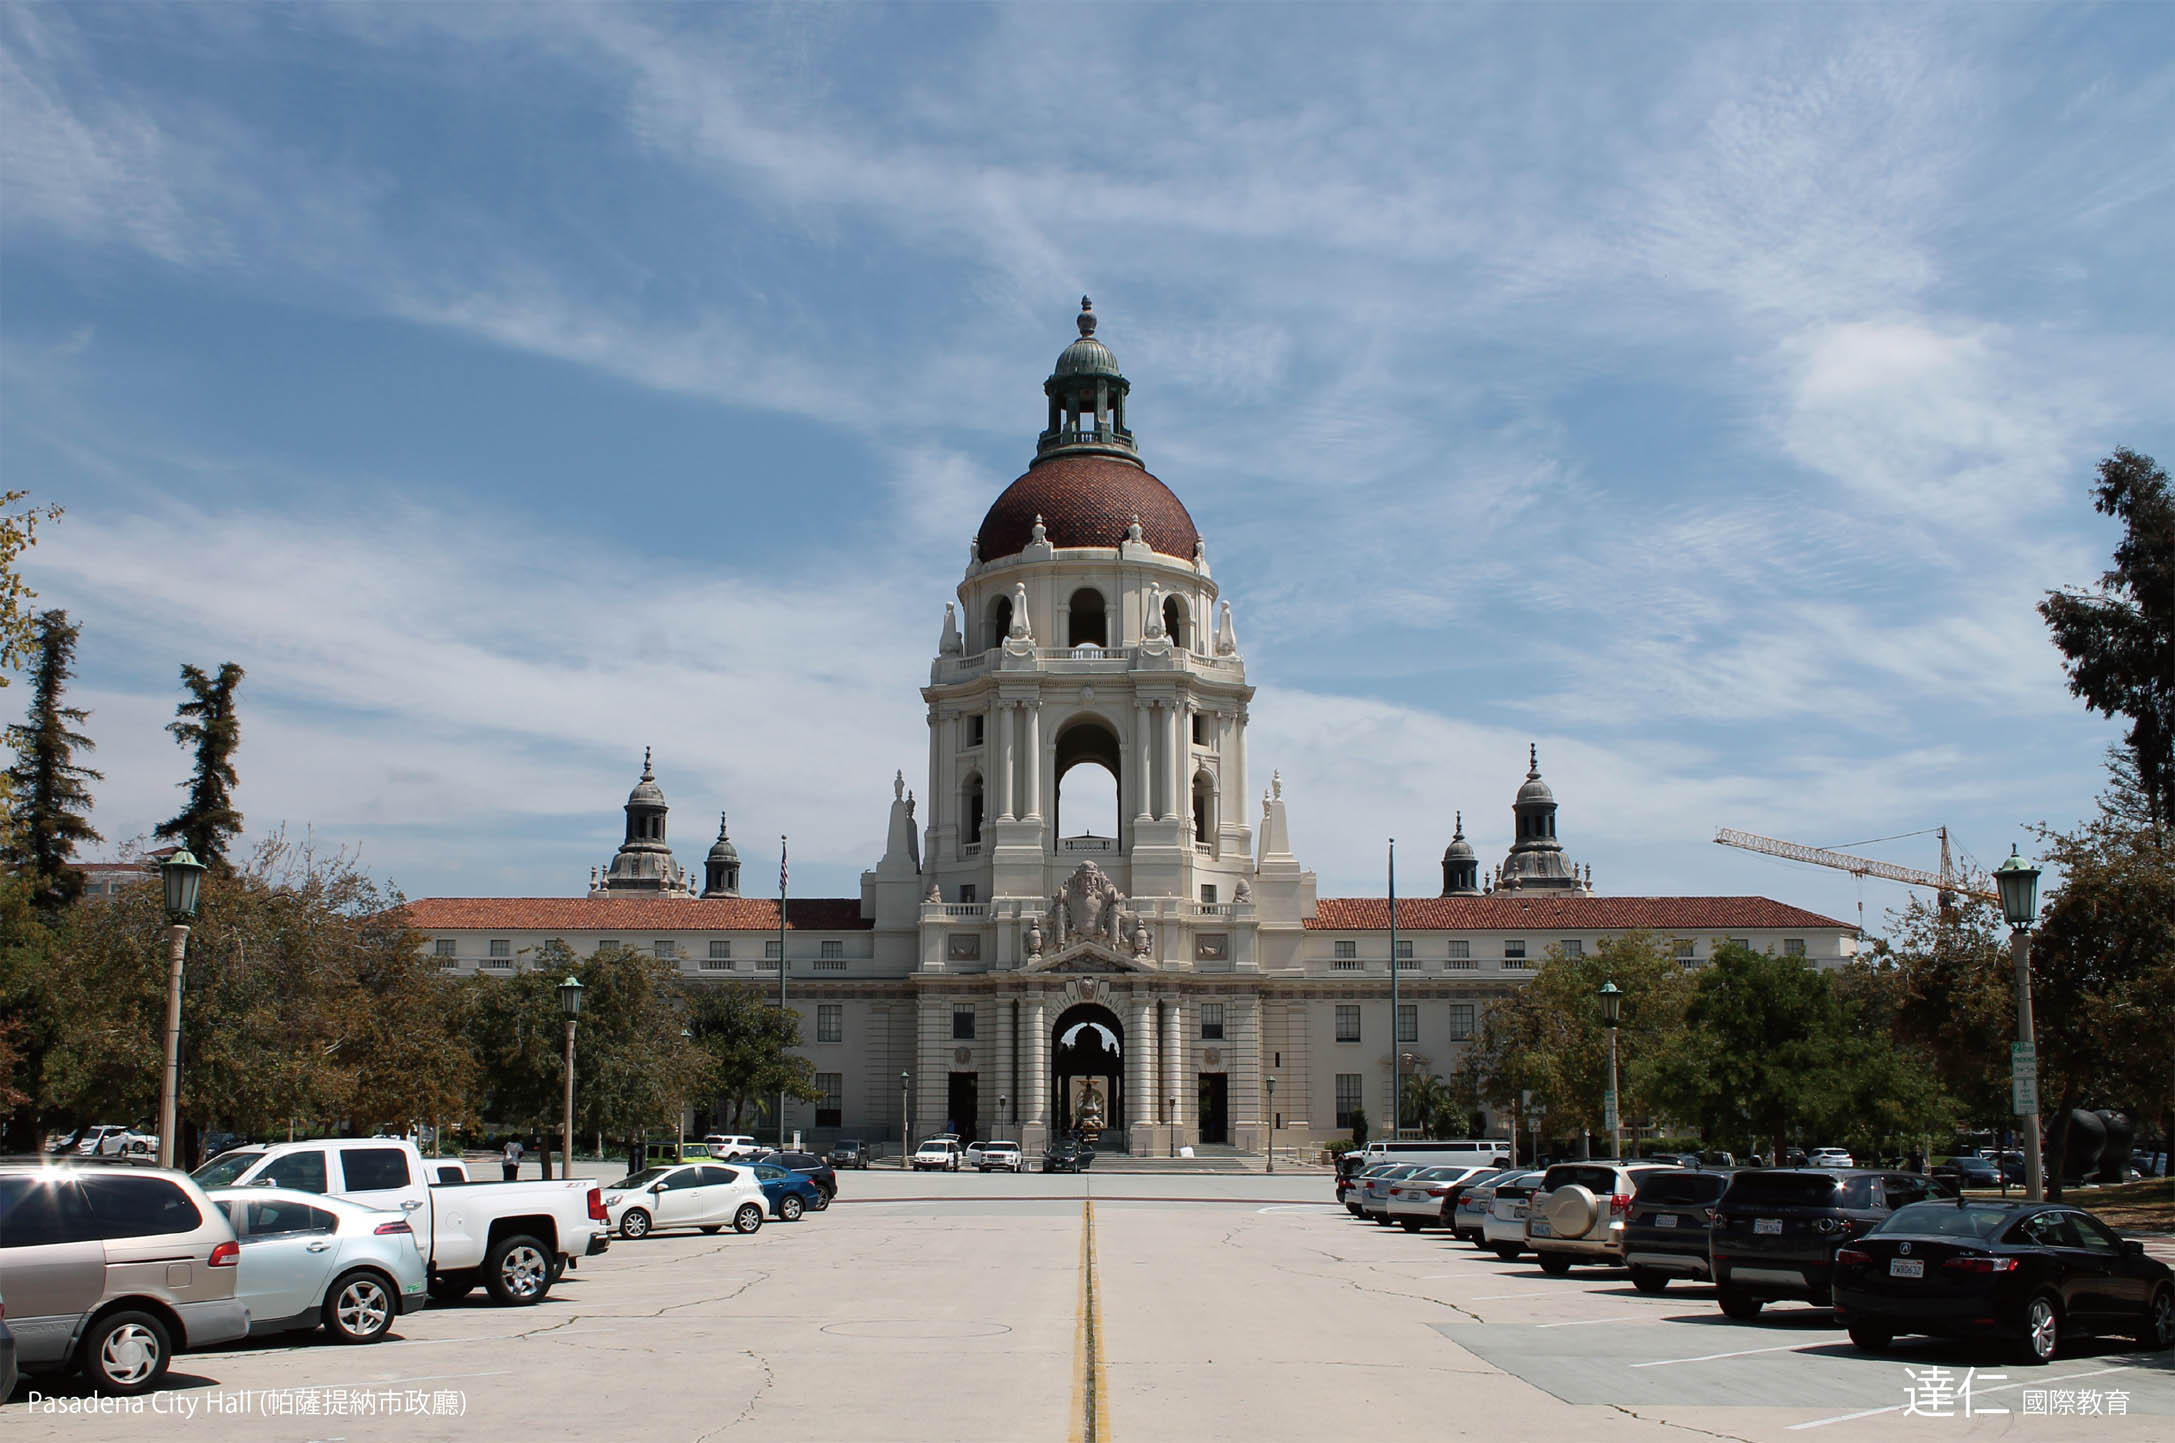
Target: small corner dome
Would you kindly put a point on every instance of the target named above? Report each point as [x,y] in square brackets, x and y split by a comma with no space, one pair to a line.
[1535,790]
[646,791]
[1459,850]
[724,851]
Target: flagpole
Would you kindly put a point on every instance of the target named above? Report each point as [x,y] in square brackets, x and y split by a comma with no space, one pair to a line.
[1397,1071]
[781,979]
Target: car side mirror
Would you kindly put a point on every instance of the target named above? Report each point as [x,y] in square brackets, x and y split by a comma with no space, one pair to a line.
[2132,1248]
[656,1187]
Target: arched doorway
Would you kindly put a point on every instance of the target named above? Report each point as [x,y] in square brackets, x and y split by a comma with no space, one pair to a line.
[1092,805]
[1087,1055]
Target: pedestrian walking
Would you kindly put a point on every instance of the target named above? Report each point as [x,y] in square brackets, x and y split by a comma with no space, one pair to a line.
[511,1161]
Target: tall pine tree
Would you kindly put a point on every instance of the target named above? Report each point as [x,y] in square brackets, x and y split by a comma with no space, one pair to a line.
[207,722]
[50,803]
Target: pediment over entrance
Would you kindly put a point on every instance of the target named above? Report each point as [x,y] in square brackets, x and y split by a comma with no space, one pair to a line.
[1086,957]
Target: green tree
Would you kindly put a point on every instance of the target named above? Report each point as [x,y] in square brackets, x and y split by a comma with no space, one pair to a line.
[18,533]
[1435,1107]
[2120,640]
[207,722]
[49,815]
[633,1071]
[1956,998]
[749,1042]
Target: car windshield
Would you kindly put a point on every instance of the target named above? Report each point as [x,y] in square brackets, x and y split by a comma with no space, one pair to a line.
[223,1169]
[1588,1175]
[1689,1188]
[641,1179]
[1787,1189]
[1945,1220]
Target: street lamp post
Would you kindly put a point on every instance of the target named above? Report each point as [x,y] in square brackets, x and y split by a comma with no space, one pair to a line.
[1523,1112]
[1272,1123]
[570,1007]
[183,876]
[1397,1094]
[905,1091]
[2019,884]
[1612,1006]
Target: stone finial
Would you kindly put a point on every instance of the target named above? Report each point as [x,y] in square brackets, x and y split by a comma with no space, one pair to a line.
[934,894]
[950,643]
[1132,528]
[647,774]
[898,786]
[1086,319]
[1244,892]
[1020,628]
[1276,785]
[1041,532]
[974,548]
[1227,637]
[1533,760]
[1200,551]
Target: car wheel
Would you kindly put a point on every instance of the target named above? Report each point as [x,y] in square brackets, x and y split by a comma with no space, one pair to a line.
[789,1208]
[126,1354]
[1737,1304]
[634,1223]
[713,1227]
[359,1308]
[1508,1252]
[452,1287]
[823,1200]
[748,1219]
[2159,1329]
[1382,1221]
[1353,1209]
[1872,1337]
[1646,1280]
[1555,1265]
[1410,1225]
[2042,1331]
[517,1271]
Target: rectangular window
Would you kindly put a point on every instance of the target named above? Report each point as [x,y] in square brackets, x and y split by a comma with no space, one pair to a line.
[1461,1021]
[1347,1022]
[974,730]
[1349,1094]
[1347,951]
[967,894]
[1514,948]
[1461,950]
[963,947]
[720,951]
[1683,946]
[833,1087]
[962,1022]
[774,950]
[1404,951]
[665,949]
[1744,942]
[1793,946]
[830,1022]
[831,948]
[1208,893]
[1211,946]
[718,961]
[442,947]
[501,947]
[1212,1022]
[1408,1022]
[1200,730]
[1574,947]
[607,944]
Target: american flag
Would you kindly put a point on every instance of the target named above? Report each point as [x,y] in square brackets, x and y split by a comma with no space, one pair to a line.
[781,866]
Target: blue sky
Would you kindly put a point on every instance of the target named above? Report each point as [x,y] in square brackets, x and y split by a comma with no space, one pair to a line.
[1706,393]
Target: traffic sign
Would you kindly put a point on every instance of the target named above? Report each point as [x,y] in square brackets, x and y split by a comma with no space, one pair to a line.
[2023,1079]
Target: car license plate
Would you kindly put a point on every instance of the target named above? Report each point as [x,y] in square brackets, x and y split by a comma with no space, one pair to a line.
[1665,1220]
[1906,1268]
[1517,1212]
[1540,1230]
[1767,1227]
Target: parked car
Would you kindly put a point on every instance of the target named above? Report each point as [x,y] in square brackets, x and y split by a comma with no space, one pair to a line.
[1067,1156]
[1967,1171]
[1673,1159]
[2029,1274]
[112,1271]
[1503,1230]
[1776,1231]
[310,1261]
[1374,1189]
[849,1152]
[106,1139]
[1829,1157]
[1469,1201]
[819,1170]
[1416,1201]
[790,1193]
[732,1146]
[1349,1185]
[1666,1231]
[514,1238]
[1349,1166]
[1002,1156]
[8,1365]
[936,1153]
[708,1195]
[1577,1215]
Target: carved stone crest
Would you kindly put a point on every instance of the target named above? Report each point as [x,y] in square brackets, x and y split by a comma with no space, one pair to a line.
[1088,907]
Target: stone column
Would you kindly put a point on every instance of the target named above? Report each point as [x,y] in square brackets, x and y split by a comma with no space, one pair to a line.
[1140,1077]
[1144,763]
[1236,770]
[1036,1084]
[1001,763]
[935,803]
[1031,714]
[1174,1061]
[1002,1021]
[1181,775]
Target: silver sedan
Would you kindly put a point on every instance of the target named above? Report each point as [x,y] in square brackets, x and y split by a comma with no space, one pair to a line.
[311,1261]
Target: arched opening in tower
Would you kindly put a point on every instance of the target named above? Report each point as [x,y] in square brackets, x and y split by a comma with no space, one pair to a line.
[1174,622]
[1086,1065]
[1000,622]
[1088,768]
[1086,623]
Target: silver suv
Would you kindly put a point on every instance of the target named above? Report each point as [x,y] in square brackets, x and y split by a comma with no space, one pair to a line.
[113,1271]
[1578,1213]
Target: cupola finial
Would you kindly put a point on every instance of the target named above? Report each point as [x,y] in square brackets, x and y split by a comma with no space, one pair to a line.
[1533,760]
[1086,318]
[647,774]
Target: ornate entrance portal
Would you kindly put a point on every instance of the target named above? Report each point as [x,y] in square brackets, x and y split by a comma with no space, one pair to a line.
[1088,1075]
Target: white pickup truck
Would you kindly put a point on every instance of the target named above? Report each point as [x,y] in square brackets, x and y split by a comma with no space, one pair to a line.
[512,1237]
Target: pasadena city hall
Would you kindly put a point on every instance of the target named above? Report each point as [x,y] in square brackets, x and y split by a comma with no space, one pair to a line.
[1010,971]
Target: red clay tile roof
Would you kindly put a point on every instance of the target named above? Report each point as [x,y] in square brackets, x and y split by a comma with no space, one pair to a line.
[1087,501]
[1505,912]
[634,914]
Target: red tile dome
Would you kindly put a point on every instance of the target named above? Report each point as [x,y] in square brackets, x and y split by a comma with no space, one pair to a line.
[1086,500]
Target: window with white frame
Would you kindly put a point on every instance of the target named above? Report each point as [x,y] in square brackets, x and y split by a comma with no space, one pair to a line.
[1574,947]
[1461,1021]
[833,1087]
[1347,950]
[1461,955]
[664,949]
[1514,949]
[773,950]
[1347,1022]
[830,1022]
[1408,1022]
[962,1022]
[1744,942]
[831,947]
[1685,947]
[1212,1022]
[1350,1092]
[1208,894]
[721,949]
[1404,952]
[442,947]
[1793,946]
[607,944]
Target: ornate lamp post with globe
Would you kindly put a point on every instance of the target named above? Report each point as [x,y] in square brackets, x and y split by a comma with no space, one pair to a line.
[2019,884]
[570,1007]
[1612,1005]
[183,875]
[1272,1122]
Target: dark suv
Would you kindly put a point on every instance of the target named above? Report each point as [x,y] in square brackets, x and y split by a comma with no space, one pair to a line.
[1776,1230]
[1666,1231]
[819,1171]
[848,1153]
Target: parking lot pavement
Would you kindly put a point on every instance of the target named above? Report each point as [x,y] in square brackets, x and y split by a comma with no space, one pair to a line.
[960,1307]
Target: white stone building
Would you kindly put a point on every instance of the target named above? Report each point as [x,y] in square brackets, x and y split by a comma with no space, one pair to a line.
[993,964]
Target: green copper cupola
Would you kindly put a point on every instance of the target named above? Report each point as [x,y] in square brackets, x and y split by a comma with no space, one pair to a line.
[1087,399]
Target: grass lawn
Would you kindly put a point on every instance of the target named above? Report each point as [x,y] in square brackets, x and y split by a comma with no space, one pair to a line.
[2147,1206]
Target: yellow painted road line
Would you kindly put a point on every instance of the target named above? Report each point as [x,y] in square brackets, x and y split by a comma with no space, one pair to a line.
[1088,1393]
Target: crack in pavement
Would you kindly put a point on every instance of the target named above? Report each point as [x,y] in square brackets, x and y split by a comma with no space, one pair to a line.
[770,1381]
[1630,1412]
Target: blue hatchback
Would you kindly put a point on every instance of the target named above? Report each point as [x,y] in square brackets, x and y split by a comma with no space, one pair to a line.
[789,1193]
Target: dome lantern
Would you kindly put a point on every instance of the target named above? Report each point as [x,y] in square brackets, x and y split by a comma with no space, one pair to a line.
[1087,398]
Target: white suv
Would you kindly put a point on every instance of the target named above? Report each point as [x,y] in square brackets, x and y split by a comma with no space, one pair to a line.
[1004,1155]
[1578,1211]
[1830,1157]
[937,1152]
[732,1146]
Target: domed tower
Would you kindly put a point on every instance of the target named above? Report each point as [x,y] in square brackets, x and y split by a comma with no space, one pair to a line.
[1460,865]
[1087,634]
[644,864]
[721,869]
[1536,861]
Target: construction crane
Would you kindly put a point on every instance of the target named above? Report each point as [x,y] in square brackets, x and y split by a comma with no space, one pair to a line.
[1945,882]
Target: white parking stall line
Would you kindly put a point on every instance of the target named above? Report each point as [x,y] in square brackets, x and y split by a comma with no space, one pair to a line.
[1710,1357]
[1589,1322]
[1999,1388]
[1499,1297]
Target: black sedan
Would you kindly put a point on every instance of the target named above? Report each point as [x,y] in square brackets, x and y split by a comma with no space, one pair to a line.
[1068,1156]
[2028,1274]
[1964,1171]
